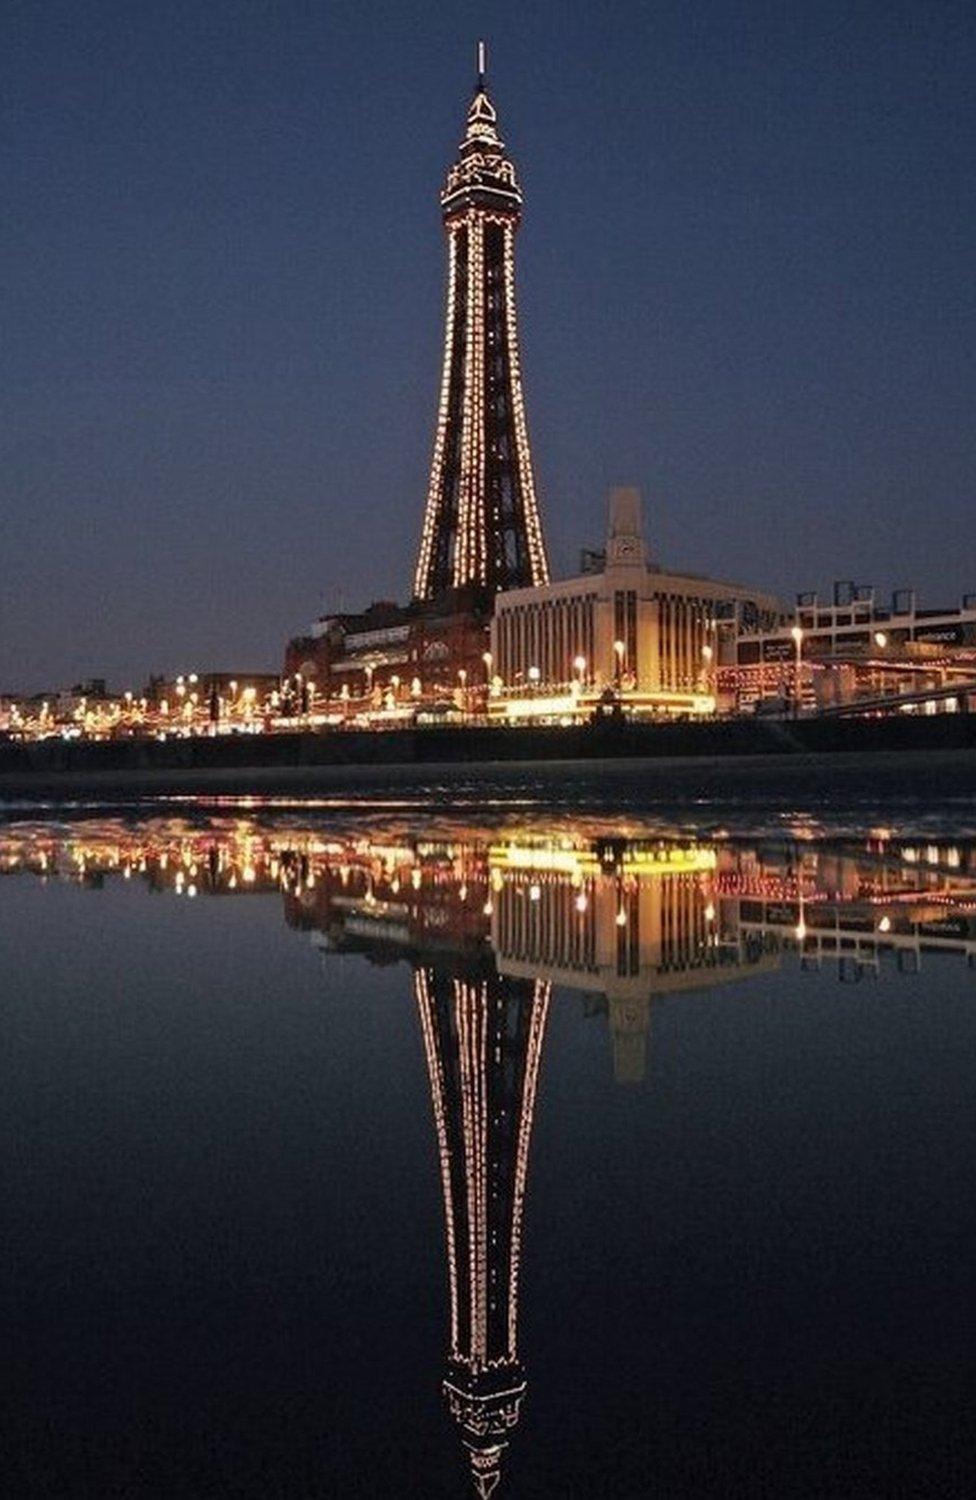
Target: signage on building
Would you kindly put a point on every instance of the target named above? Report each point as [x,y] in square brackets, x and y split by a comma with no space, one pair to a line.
[393,636]
[778,650]
[952,635]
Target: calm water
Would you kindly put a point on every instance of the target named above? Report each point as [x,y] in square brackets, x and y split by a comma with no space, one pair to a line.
[378,1151]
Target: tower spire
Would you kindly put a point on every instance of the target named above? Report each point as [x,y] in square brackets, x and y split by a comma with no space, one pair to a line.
[482,66]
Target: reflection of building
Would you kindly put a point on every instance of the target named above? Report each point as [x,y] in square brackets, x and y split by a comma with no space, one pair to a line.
[625,629]
[854,909]
[623,924]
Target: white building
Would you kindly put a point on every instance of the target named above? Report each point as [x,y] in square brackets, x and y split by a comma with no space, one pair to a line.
[627,632]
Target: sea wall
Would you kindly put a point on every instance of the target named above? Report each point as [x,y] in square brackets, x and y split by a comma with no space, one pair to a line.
[26,768]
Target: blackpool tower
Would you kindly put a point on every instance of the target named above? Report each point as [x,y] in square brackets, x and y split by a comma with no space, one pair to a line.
[481,529]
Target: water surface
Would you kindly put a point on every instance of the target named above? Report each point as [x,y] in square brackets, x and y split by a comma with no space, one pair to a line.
[514,1150]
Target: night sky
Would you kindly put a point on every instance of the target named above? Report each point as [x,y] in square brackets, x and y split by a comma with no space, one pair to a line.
[745,281]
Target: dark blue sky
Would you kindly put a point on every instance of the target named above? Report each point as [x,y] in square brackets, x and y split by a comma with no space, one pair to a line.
[745,277]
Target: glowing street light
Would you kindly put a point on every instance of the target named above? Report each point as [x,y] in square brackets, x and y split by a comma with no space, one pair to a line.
[797,634]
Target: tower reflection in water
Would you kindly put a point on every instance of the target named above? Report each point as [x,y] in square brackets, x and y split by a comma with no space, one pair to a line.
[489,928]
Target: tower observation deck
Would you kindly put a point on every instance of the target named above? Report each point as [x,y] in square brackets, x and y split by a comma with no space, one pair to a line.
[481,528]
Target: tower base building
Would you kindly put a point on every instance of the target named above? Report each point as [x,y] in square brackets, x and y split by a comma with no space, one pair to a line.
[482,527]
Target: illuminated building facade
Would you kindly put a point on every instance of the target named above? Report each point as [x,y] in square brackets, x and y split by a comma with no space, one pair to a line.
[389,662]
[854,651]
[626,630]
[481,530]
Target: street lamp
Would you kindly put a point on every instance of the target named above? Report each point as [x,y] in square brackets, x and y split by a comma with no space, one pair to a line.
[619,651]
[707,655]
[797,634]
[579,663]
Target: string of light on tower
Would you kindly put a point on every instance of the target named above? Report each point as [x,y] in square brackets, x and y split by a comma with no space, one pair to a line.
[482,527]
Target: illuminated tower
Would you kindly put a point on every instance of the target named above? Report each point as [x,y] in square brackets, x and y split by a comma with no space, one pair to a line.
[481,525]
[483,1039]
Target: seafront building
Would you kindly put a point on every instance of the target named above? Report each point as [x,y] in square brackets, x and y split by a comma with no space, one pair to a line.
[855,652]
[626,634]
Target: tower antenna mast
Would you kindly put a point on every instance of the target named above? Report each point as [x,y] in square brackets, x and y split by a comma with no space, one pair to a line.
[482,65]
